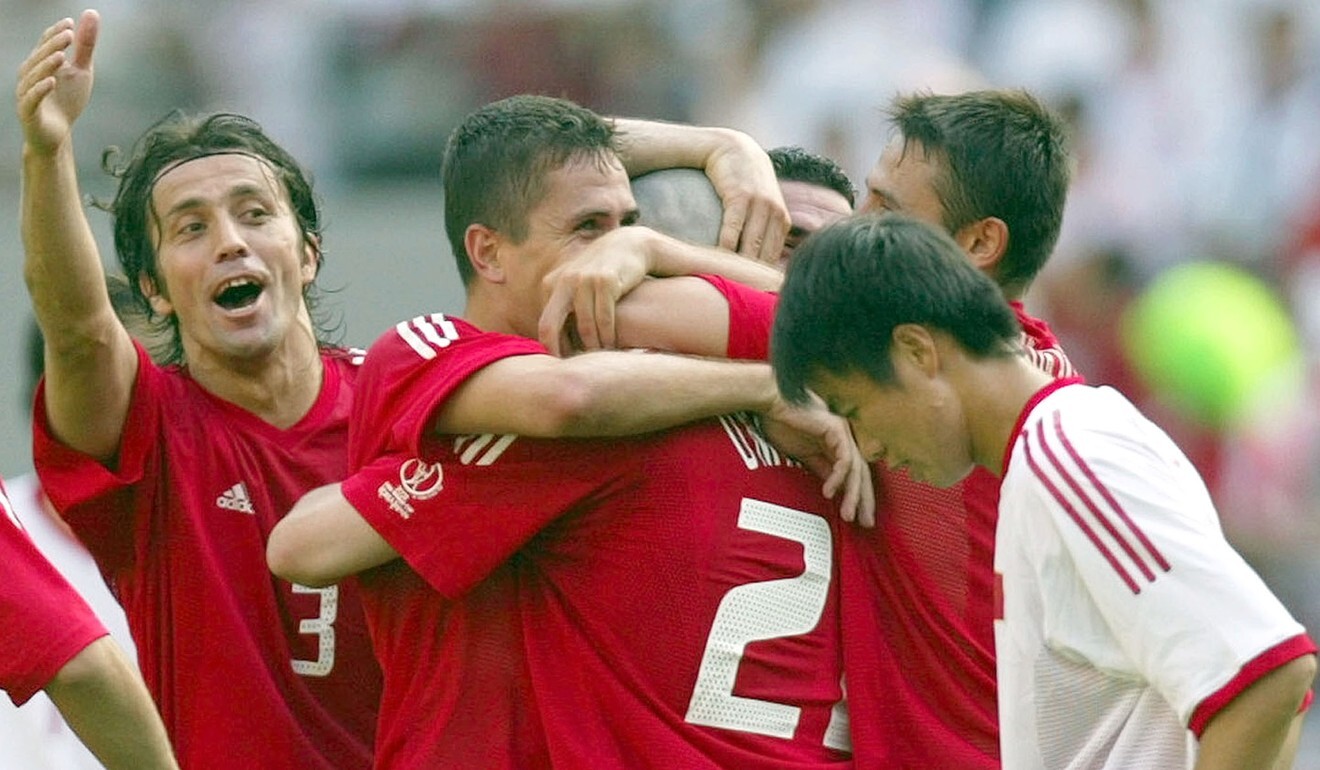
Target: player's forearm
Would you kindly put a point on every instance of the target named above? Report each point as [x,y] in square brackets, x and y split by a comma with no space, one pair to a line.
[90,360]
[647,145]
[671,257]
[1252,730]
[324,540]
[103,699]
[630,393]
[62,266]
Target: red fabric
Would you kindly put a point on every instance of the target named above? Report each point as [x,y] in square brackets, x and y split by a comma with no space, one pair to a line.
[626,559]
[180,527]
[45,622]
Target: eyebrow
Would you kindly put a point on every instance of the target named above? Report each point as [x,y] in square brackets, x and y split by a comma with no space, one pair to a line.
[241,190]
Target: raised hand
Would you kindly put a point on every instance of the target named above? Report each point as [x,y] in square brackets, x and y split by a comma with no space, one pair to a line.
[55,82]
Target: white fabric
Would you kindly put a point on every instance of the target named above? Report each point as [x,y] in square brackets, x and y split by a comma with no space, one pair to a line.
[1124,606]
[35,736]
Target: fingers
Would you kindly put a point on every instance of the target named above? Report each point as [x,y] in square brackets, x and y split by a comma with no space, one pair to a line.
[89,25]
[554,317]
[585,306]
[731,224]
[754,229]
[753,235]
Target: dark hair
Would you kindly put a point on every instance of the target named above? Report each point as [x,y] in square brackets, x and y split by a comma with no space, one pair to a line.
[795,164]
[851,283]
[181,137]
[496,163]
[1003,154]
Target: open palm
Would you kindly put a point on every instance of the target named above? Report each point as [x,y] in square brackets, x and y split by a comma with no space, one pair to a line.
[55,82]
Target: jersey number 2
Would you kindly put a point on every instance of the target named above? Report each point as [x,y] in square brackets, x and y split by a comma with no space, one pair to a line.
[766,610]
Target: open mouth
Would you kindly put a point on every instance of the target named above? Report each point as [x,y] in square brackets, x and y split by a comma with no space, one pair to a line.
[238,293]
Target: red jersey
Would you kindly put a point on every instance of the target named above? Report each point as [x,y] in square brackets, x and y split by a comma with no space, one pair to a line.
[248,670]
[917,598]
[45,622]
[675,592]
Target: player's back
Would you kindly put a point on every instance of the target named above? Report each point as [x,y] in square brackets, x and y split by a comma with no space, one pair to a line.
[687,615]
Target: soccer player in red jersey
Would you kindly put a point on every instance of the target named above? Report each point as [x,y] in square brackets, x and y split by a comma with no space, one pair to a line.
[53,641]
[174,475]
[992,168]
[660,601]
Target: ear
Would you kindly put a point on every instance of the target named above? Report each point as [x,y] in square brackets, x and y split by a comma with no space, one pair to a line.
[160,304]
[483,251]
[914,348]
[311,263]
[984,242]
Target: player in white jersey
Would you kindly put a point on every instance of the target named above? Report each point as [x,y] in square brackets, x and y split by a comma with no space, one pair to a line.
[1131,634]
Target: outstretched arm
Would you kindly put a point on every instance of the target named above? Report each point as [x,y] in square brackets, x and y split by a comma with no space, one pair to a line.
[90,361]
[755,218]
[102,697]
[1252,730]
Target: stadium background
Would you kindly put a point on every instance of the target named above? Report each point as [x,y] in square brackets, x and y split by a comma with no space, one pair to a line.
[1195,126]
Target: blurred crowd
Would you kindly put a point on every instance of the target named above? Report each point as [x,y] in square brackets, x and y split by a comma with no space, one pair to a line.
[1195,134]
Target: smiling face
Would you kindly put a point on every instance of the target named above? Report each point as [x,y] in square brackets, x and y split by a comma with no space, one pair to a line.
[232,259]
[915,422]
[584,199]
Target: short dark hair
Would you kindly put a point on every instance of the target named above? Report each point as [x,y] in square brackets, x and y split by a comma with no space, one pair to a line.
[850,284]
[497,159]
[795,164]
[1003,154]
[180,137]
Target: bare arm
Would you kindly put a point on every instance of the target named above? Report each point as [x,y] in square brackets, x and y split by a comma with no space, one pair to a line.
[605,393]
[324,540]
[90,361]
[593,283]
[611,393]
[1252,730]
[103,699]
[755,218]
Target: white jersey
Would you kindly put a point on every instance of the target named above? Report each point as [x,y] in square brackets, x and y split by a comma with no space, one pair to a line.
[1128,621]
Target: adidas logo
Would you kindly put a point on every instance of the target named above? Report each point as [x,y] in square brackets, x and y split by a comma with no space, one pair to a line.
[235,499]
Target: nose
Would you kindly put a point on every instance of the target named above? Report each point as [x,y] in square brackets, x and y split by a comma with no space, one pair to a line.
[229,241]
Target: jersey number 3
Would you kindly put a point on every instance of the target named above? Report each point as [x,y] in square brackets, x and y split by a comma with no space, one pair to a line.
[323,626]
[766,610]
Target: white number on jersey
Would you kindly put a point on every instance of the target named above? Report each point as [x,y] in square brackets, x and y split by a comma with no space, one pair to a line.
[323,626]
[425,333]
[767,610]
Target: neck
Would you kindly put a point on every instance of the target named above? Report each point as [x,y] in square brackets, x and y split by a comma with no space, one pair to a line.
[994,393]
[486,312]
[279,387]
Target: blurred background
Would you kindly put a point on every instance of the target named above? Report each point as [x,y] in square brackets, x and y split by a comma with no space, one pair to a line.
[1188,273]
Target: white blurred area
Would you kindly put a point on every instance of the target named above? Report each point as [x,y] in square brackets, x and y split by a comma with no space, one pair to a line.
[1197,133]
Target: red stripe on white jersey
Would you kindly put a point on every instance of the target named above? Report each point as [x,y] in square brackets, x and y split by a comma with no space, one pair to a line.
[1067,505]
[1114,505]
